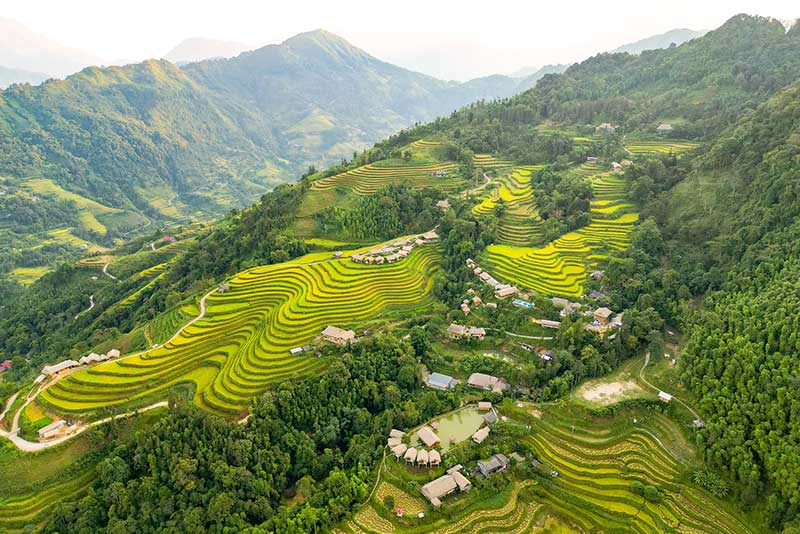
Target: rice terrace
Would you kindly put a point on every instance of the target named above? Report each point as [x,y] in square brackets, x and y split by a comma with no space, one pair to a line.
[295,288]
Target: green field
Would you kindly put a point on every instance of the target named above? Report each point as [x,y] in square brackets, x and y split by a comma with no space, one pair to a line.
[367,179]
[241,347]
[598,459]
[664,146]
[520,224]
[561,267]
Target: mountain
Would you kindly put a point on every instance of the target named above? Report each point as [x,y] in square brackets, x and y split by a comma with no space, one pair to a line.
[199,48]
[662,40]
[697,239]
[534,75]
[11,76]
[154,142]
[22,48]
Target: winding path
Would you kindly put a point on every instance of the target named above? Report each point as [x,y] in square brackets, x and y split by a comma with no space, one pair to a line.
[32,446]
[643,379]
[108,274]
[541,338]
[91,305]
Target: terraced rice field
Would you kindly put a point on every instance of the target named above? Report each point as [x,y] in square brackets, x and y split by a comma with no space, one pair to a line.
[660,147]
[422,144]
[367,179]
[487,161]
[510,513]
[19,512]
[598,459]
[561,267]
[241,347]
[520,224]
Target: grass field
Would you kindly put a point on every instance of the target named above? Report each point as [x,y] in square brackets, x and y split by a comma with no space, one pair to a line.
[599,458]
[88,210]
[241,347]
[561,267]
[28,275]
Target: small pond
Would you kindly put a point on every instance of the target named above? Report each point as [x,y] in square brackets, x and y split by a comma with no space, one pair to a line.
[458,426]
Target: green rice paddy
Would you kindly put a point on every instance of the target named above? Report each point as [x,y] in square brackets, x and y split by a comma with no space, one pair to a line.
[599,458]
[367,179]
[241,347]
[663,146]
[561,267]
[520,225]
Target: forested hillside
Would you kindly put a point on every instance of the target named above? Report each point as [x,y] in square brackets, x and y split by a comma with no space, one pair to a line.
[695,237]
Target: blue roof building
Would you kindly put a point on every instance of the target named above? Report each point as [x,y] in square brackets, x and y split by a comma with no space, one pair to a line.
[440,381]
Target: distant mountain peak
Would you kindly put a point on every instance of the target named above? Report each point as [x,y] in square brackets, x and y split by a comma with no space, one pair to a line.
[677,36]
[201,48]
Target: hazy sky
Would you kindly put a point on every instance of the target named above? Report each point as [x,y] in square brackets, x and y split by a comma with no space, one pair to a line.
[449,39]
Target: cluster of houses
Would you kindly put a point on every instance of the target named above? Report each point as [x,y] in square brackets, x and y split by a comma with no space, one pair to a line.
[501,290]
[394,252]
[56,368]
[458,331]
[605,128]
[428,457]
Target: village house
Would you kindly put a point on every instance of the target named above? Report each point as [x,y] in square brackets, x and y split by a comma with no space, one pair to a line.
[616,166]
[50,370]
[602,315]
[592,159]
[439,174]
[489,418]
[664,127]
[422,458]
[504,291]
[479,436]
[223,288]
[427,436]
[337,254]
[441,382]
[565,306]
[444,205]
[53,430]
[597,275]
[446,484]
[457,331]
[487,382]
[394,433]
[665,397]
[393,442]
[496,464]
[484,406]
[430,236]
[606,128]
[410,455]
[113,353]
[338,336]
[434,458]
[399,450]
[6,365]
[547,323]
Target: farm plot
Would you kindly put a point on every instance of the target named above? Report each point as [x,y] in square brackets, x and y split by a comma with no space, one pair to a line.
[599,458]
[663,146]
[560,267]
[367,179]
[520,223]
[510,511]
[241,346]
[487,161]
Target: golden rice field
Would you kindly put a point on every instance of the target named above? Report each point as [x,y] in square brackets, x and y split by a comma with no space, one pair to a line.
[241,346]
[487,161]
[367,179]
[509,511]
[561,267]
[598,459]
[520,224]
[663,146]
